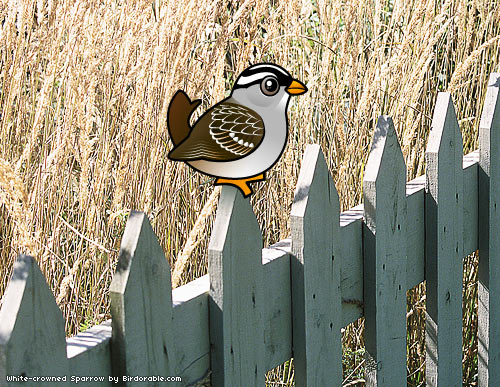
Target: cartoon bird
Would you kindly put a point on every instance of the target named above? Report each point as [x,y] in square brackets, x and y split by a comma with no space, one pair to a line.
[241,137]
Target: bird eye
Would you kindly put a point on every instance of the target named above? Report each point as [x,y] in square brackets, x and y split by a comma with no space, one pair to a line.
[269,86]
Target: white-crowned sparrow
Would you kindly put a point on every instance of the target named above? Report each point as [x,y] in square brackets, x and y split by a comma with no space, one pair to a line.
[240,138]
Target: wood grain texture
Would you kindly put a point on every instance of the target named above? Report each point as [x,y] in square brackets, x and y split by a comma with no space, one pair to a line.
[89,353]
[470,234]
[384,193]
[191,324]
[141,305]
[489,242]
[415,230]
[90,350]
[316,257]
[277,305]
[238,322]
[351,265]
[351,223]
[32,339]
[236,301]
[444,247]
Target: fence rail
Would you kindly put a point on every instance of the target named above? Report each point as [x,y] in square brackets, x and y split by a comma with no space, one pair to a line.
[258,307]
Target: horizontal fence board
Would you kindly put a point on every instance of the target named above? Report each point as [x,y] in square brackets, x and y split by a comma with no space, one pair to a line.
[187,337]
[470,167]
[89,354]
[277,305]
[188,292]
[351,267]
[192,347]
[350,231]
[192,299]
[415,231]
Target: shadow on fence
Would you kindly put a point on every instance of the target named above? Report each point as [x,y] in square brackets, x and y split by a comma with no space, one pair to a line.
[259,307]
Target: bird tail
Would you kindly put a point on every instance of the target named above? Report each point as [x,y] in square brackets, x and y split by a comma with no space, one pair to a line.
[179,112]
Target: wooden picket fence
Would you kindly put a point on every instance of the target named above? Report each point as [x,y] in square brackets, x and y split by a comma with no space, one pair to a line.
[259,307]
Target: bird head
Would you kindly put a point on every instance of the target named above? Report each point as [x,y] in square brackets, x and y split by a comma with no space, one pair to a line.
[266,84]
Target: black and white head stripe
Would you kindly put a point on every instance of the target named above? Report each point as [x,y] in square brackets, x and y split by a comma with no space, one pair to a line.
[256,73]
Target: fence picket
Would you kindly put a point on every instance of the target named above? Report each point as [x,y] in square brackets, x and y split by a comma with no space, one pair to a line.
[32,339]
[141,306]
[258,307]
[236,294]
[489,242]
[384,191]
[316,301]
[444,247]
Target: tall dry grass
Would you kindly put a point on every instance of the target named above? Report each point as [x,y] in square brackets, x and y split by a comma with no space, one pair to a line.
[84,91]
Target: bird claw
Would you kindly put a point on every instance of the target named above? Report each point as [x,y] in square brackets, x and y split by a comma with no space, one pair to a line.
[241,184]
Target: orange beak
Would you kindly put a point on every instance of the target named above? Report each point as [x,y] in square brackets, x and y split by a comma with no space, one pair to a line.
[296,88]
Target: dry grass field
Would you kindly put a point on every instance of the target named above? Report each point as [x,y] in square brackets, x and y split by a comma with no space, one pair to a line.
[84,91]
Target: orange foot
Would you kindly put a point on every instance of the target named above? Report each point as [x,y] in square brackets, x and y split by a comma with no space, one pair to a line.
[241,184]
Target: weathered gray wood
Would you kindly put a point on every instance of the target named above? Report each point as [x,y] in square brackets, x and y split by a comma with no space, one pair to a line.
[277,346]
[352,258]
[415,230]
[385,248]
[141,305]
[351,265]
[89,354]
[444,245]
[191,316]
[350,229]
[315,264]
[489,242]
[351,220]
[236,302]
[192,345]
[32,339]
[470,234]
[278,304]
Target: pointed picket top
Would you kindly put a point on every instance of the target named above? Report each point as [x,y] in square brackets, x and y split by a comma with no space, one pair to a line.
[489,132]
[316,301]
[491,108]
[385,149]
[385,168]
[314,176]
[445,130]
[236,294]
[444,246]
[384,193]
[32,337]
[141,304]
[234,212]
[489,243]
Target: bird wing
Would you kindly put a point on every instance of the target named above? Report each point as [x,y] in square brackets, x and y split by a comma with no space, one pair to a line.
[226,132]
[179,111]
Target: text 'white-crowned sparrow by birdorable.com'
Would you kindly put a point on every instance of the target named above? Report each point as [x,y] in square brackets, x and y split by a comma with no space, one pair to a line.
[241,137]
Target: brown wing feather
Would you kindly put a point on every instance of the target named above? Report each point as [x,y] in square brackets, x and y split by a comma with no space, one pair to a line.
[179,111]
[226,132]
